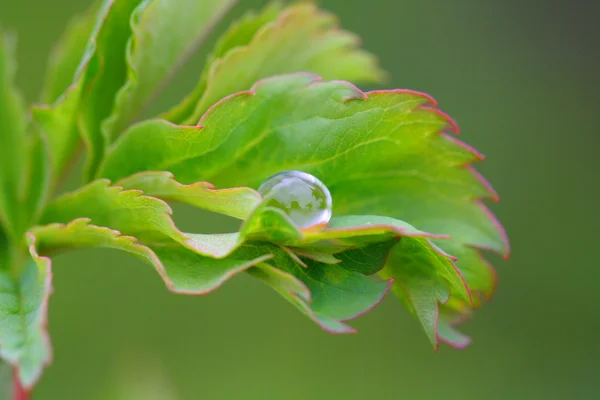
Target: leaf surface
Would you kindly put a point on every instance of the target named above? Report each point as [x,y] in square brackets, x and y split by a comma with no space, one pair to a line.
[424,277]
[336,294]
[24,341]
[132,213]
[106,73]
[182,270]
[37,177]
[301,38]
[382,152]
[164,34]
[13,141]
[67,53]
[127,211]
[235,202]
[329,296]
[99,74]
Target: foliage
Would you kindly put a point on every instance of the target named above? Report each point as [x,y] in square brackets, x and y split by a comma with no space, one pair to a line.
[408,215]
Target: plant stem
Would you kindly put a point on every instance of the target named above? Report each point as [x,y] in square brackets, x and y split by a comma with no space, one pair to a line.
[19,392]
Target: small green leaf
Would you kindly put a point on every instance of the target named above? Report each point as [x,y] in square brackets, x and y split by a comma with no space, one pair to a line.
[89,98]
[336,292]
[337,295]
[239,34]
[448,334]
[13,141]
[134,214]
[192,273]
[164,35]
[424,276]
[59,125]
[294,291]
[182,270]
[105,74]
[23,311]
[359,229]
[236,202]
[129,212]
[79,234]
[37,177]
[67,53]
[271,224]
[303,38]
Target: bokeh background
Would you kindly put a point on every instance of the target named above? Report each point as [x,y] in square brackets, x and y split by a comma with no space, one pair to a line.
[522,79]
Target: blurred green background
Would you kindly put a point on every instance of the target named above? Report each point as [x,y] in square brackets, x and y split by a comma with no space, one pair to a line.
[521,78]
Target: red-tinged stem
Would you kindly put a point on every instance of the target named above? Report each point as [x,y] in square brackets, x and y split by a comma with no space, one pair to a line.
[19,392]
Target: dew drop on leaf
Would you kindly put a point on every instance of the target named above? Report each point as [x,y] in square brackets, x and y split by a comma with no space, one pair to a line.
[303,197]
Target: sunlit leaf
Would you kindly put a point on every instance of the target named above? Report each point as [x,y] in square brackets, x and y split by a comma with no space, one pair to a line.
[182,270]
[302,38]
[236,202]
[90,96]
[131,213]
[383,152]
[164,34]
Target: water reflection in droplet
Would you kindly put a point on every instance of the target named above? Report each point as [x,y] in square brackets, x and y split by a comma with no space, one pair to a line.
[303,197]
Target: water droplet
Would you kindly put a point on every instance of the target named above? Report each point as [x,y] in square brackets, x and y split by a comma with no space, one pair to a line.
[303,197]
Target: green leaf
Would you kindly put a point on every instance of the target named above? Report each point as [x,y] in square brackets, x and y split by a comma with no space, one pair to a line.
[23,310]
[239,34]
[446,331]
[303,38]
[129,211]
[133,214]
[106,73]
[37,177]
[182,270]
[192,273]
[294,291]
[236,202]
[368,259]
[343,233]
[13,140]
[88,100]
[359,229]
[424,276]
[67,53]
[336,294]
[383,152]
[164,35]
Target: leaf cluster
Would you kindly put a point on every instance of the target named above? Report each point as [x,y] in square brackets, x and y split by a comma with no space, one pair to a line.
[274,95]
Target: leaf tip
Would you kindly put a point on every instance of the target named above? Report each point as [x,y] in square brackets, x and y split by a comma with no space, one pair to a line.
[505,250]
